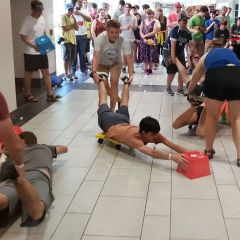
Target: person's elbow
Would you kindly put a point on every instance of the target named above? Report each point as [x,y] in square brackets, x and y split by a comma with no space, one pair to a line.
[175,125]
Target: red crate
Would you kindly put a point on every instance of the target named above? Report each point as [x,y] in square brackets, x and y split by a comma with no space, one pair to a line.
[198,165]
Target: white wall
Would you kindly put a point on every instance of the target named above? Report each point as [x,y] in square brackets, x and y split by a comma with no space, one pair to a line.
[7,81]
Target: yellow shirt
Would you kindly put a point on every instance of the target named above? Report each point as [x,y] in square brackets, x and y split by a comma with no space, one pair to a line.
[88,24]
[69,35]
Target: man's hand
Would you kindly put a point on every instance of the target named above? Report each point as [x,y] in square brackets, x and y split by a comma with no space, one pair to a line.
[179,159]
[36,48]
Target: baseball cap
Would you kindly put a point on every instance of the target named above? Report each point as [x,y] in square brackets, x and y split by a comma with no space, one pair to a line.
[213,11]
[182,17]
[69,6]
[37,5]
[177,4]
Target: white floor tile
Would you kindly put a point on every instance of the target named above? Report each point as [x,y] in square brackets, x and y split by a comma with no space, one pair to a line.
[117,216]
[158,202]
[233,228]
[197,219]
[107,238]
[127,182]
[86,197]
[71,227]
[230,199]
[156,228]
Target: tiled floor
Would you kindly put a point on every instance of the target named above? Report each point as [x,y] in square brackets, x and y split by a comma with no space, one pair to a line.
[105,194]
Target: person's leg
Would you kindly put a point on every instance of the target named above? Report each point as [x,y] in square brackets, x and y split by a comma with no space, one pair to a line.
[47,80]
[27,83]
[180,82]
[234,114]
[183,72]
[82,56]
[115,72]
[186,118]
[102,93]
[170,78]
[213,109]
[66,59]
[200,131]
[75,59]
[125,95]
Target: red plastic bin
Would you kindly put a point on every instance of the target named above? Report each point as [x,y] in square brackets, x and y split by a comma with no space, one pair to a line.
[198,165]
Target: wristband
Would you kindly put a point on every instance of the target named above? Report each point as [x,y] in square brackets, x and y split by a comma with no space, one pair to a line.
[19,166]
[169,156]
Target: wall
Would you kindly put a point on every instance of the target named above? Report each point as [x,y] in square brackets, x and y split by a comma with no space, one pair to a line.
[7,82]
[20,9]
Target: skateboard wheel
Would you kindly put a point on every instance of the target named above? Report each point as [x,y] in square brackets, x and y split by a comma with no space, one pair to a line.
[100,140]
[118,146]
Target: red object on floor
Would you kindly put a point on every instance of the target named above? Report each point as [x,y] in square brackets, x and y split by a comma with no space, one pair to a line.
[198,165]
[17,130]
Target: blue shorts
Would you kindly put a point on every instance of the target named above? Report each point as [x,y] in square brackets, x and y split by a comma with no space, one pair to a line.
[107,119]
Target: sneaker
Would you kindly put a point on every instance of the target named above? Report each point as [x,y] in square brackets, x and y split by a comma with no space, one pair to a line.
[125,79]
[74,77]
[124,70]
[169,91]
[181,92]
[66,78]
[8,171]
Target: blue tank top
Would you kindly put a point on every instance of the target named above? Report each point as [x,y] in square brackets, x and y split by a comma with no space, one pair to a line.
[220,57]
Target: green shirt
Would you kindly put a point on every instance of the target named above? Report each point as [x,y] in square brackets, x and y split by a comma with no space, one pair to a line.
[194,22]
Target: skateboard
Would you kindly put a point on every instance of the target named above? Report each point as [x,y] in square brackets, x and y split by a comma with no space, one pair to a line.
[101,136]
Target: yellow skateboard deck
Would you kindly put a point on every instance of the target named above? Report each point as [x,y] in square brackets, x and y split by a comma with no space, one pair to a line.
[101,136]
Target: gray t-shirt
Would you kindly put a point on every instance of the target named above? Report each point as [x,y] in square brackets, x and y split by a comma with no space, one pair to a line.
[39,156]
[124,20]
[110,53]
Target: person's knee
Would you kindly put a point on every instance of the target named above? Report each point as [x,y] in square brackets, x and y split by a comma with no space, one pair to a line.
[3,201]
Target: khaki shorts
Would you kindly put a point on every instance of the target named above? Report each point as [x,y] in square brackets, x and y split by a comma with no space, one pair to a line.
[114,70]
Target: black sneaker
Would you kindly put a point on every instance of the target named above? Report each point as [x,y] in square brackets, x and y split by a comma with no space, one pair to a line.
[53,98]
[8,171]
[125,80]
[169,91]
[181,92]
[124,70]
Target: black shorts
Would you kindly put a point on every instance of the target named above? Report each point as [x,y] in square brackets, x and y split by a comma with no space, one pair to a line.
[35,62]
[107,119]
[172,68]
[222,83]
[69,52]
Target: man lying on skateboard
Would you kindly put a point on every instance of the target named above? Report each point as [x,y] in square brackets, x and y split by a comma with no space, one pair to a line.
[116,125]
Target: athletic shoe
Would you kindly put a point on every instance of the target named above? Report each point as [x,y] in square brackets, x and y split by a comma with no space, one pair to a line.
[181,92]
[8,171]
[125,79]
[169,91]
[124,70]
[52,98]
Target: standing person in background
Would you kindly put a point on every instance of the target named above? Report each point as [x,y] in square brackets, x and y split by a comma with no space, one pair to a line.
[162,34]
[106,7]
[120,10]
[173,49]
[148,42]
[211,25]
[145,7]
[69,25]
[197,27]
[35,26]
[93,12]
[109,47]
[99,25]
[223,16]
[222,33]
[137,40]
[81,16]
[135,9]
[128,23]
[172,19]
